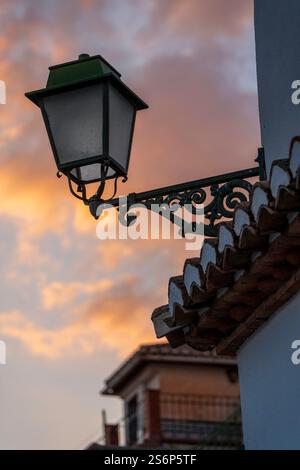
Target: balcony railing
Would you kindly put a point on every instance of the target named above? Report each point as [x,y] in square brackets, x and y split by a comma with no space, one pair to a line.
[190,420]
[203,420]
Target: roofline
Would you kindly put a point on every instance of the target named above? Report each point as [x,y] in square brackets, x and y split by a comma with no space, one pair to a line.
[139,359]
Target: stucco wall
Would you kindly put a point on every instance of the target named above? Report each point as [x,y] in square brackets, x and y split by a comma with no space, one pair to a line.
[194,379]
[270,383]
[278,65]
[199,380]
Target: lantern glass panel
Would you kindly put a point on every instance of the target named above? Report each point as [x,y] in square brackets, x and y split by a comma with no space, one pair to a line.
[90,173]
[121,120]
[76,123]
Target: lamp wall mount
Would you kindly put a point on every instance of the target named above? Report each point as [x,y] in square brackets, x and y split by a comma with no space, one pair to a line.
[218,196]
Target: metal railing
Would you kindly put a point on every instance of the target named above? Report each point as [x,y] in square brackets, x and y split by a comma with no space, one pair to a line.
[203,420]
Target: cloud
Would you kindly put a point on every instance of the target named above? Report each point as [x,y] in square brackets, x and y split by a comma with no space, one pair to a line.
[115,318]
[199,123]
[202,18]
[60,294]
[42,341]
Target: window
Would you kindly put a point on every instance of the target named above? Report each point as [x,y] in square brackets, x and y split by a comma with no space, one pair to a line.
[131,420]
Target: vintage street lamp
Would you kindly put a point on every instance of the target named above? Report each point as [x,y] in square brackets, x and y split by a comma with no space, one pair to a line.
[89,115]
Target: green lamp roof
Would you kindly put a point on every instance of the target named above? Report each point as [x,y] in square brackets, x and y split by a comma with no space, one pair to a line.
[79,72]
[84,68]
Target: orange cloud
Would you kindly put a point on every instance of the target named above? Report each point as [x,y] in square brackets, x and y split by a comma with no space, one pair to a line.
[41,341]
[60,294]
[118,321]
[31,199]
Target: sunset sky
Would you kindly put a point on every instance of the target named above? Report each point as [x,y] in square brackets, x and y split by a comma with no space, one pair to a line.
[72,306]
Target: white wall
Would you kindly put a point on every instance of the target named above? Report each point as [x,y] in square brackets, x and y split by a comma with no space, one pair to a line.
[270,383]
[277,24]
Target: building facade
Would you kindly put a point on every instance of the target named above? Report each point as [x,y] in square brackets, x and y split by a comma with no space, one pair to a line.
[178,398]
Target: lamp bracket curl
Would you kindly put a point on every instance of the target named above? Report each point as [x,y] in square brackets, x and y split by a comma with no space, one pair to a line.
[217,195]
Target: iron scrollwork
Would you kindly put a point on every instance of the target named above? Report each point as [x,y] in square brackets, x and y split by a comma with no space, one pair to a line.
[225,198]
[217,196]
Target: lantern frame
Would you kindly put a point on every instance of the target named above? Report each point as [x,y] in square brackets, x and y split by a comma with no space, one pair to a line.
[61,81]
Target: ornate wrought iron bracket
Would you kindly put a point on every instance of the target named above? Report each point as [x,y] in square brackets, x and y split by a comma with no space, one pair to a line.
[217,195]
